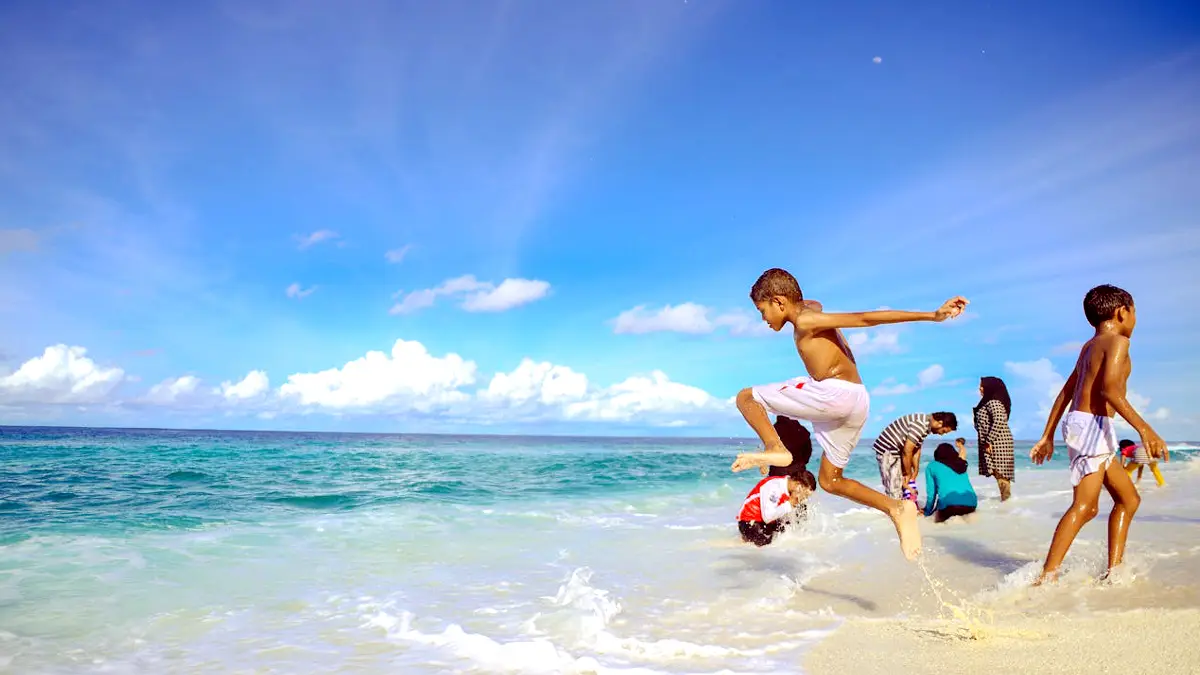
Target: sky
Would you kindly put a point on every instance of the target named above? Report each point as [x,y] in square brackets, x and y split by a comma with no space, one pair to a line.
[519,217]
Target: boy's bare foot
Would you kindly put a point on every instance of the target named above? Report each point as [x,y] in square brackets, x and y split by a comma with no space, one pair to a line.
[905,518]
[1046,575]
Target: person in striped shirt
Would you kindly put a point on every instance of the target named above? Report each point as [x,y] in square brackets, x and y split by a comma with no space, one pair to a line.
[898,446]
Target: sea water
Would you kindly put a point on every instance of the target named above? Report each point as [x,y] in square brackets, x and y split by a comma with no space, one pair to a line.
[128,551]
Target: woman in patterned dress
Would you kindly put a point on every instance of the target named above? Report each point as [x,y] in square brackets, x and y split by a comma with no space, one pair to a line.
[995,438]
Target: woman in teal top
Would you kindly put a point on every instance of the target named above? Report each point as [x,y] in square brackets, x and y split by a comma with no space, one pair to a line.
[948,490]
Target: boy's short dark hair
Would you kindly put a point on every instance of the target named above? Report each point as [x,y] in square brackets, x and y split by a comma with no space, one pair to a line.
[960,439]
[773,282]
[1102,302]
[947,419]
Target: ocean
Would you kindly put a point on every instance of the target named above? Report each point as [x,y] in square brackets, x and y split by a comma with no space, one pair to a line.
[155,551]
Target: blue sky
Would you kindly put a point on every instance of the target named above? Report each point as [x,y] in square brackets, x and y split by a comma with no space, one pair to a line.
[522,217]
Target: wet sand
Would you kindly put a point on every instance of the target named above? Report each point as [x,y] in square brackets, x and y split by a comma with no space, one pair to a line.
[1129,643]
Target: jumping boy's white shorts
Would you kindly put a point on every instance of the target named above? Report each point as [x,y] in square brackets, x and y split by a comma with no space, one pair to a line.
[837,409]
[1091,443]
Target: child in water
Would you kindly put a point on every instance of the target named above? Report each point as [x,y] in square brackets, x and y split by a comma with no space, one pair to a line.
[784,491]
[1139,459]
[774,497]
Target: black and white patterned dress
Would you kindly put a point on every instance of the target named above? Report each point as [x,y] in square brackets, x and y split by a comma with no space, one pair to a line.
[991,423]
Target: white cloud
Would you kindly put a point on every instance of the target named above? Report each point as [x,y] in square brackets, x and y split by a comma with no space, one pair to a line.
[295,291]
[478,296]
[641,396]
[255,384]
[930,376]
[541,391]
[686,318]
[876,341]
[927,378]
[1068,348]
[397,255]
[62,374]
[410,377]
[690,318]
[877,59]
[542,382]
[317,237]
[1142,405]
[17,241]
[174,391]
[509,294]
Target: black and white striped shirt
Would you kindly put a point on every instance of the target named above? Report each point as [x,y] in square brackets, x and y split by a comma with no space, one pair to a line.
[914,427]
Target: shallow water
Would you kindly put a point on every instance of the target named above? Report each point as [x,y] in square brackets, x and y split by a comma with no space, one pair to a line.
[168,551]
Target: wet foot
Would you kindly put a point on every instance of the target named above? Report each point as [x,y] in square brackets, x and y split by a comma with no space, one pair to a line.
[1045,576]
[907,526]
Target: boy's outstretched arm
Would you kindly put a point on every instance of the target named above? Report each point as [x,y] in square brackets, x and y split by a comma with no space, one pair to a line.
[823,321]
[1044,448]
[1116,375]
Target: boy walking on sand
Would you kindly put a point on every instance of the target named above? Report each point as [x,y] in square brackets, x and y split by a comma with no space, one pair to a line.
[832,397]
[1092,394]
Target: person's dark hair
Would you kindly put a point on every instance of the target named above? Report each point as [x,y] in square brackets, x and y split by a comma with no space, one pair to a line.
[1125,443]
[773,282]
[1102,302]
[798,441]
[946,454]
[960,439]
[947,419]
[994,389]
[805,478]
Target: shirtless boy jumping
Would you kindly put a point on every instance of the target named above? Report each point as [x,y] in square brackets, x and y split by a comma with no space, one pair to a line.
[832,397]
[1095,390]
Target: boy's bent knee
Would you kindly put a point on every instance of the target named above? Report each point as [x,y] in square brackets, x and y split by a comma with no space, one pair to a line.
[1086,511]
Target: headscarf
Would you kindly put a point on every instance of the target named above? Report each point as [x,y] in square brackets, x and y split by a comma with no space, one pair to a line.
[994,389]
[946,454]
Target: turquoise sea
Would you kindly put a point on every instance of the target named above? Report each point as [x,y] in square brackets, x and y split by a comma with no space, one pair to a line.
[156,551]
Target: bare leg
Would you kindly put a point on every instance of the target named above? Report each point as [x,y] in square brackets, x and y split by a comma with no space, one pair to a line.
[1125,503]
[1005,488]
[774,452]
[902,511]
[1083,509]
[1141,468]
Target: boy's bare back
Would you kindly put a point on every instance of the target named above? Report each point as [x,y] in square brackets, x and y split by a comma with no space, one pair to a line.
[1103,362]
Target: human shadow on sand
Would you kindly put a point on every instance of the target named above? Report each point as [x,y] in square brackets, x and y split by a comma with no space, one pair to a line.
[976,553]
[759,564]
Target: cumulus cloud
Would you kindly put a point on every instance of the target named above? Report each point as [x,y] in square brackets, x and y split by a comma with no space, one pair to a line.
[544,383]
[174,391]
[17,241]
[307,240]
[875,341]
[640,397]
[408,377]
[62,374]
[295,291]
[690,318]
[927,378]
[255,384]
[396,255]
[476,296]
[406,380]
[1068,349]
